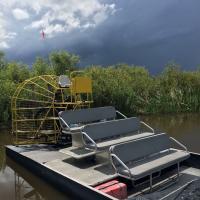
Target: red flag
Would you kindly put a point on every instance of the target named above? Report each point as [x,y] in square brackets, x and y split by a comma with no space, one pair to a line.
[42,34]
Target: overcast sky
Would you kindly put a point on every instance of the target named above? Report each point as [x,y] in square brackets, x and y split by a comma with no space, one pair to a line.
[141,32]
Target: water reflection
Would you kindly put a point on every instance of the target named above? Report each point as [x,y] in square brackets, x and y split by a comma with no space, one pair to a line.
[29,186]
[5,139]
[184,127]
[24,191]
[17,183]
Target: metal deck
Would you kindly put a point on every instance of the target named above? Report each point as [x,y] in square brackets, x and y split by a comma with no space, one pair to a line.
[89,172]
[168,190]
[68,174]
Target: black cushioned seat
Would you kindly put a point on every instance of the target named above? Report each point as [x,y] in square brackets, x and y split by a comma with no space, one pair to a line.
[142,157]
[156,163]
[73,120]
[105,134]
[88,114]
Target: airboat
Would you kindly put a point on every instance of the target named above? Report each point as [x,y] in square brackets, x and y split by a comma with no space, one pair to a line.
[95,153]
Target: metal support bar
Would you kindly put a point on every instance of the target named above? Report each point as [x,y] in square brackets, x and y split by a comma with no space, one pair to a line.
[150,182]
[147,126]
[90,139]
[180,144]
[121,163]
[178,170]
[63,121]
[121,114]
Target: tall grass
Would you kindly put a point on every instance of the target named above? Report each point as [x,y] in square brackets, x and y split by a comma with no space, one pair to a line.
[134,91]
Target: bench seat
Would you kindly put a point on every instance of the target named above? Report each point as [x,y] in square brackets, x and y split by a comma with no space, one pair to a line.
[82,152]
[98,137]
[105,134]
[81,117]
[156,163]
[124,138]
[137,159]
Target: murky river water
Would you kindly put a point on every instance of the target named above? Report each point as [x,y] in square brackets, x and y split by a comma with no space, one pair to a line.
[17,183]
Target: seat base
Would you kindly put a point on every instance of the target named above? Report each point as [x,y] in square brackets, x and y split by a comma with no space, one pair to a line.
[78,152]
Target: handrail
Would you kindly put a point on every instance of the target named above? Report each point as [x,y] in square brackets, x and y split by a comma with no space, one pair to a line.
[124,116]
[179,143]
[89,138]
[63,121]
[147,126]
[120,162]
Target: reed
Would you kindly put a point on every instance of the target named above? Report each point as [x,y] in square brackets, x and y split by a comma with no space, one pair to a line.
[134,91]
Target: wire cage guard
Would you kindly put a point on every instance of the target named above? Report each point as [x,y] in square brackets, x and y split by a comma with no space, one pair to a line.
[37,101]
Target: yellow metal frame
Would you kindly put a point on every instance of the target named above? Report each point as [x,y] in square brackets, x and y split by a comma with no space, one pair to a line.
[37,101]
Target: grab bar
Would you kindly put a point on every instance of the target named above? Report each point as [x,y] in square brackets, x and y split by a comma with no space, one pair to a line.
[147,126]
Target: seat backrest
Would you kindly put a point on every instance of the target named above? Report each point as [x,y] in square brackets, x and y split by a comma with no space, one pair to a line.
[112,128]
[88,115]
[138,149]
[64,81]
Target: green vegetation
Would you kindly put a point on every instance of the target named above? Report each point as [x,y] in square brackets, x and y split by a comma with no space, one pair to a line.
[13,73]
[129,88]
[134,91]
[60,60]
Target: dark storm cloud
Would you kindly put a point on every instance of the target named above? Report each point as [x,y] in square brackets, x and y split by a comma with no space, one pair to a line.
[142,32]
[149,33]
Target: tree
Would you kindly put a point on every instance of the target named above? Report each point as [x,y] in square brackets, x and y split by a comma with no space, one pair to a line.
[2,60]
[62,61]
[40,67]
[7,88]
[17,72]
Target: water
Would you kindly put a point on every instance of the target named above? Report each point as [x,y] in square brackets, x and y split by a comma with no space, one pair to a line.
[17,183]
[183,127]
